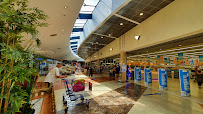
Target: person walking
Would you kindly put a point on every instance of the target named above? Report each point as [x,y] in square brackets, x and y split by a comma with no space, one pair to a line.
[199,79]
[87,70]
[114,73]
[91,72]
[117,73]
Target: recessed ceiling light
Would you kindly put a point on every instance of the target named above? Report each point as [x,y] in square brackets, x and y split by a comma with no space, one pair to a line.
[109,34]
[62,30]
[111,49]
[160,49]
[121,23]
[180,45]
[97,42]
[102,37]
[141,13]
[137,37]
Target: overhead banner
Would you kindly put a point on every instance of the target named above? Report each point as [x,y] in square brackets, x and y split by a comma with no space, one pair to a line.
[196,62]
[186,61]
[168,61]
[165,61]
[162,79]
[162,59]
[158,58]
[137,74]
[180,58]
[148,62]
[184,82]
[148,76]
[192,63]
[201,60]
[175,60]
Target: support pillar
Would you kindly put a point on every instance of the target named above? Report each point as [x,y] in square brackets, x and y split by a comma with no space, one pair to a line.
[123,60]
[90,63]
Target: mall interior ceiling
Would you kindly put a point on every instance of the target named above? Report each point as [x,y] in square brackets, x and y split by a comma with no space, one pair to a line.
[187,45]
[55,38]
[111,29]
[191,46]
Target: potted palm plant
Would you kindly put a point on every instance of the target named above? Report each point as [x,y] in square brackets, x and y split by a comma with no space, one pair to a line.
[16,64]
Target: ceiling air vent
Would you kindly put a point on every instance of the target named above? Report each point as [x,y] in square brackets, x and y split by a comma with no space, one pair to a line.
[53,35]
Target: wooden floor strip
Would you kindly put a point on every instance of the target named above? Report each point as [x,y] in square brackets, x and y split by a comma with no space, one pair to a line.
[47,107]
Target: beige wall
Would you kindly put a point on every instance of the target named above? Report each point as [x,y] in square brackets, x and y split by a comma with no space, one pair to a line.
[179,19]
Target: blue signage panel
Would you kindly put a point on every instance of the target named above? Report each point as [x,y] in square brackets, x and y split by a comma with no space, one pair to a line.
[49,60]
[137,74]
[148,76]
[162,79]
[184,82]
[123,68]
[38,59]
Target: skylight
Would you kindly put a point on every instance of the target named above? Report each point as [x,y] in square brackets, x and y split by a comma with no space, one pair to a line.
[87,8]
[73,34]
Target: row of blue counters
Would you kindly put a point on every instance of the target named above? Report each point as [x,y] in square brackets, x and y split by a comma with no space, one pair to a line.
[162,77]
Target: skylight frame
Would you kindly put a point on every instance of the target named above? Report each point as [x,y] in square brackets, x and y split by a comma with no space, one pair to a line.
[87,8]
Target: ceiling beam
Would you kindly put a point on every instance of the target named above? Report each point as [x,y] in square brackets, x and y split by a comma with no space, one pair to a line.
[95,43]
[89,51]
[105,35]
[127,19]
[85,47]
[89,48]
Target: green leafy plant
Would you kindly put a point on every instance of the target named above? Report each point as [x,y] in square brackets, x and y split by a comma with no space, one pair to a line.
[16,64]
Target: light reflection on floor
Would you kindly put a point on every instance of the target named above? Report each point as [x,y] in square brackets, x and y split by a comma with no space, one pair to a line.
[112,97]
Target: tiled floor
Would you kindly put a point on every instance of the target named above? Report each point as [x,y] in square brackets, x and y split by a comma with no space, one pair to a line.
[110,97]
[174,88]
